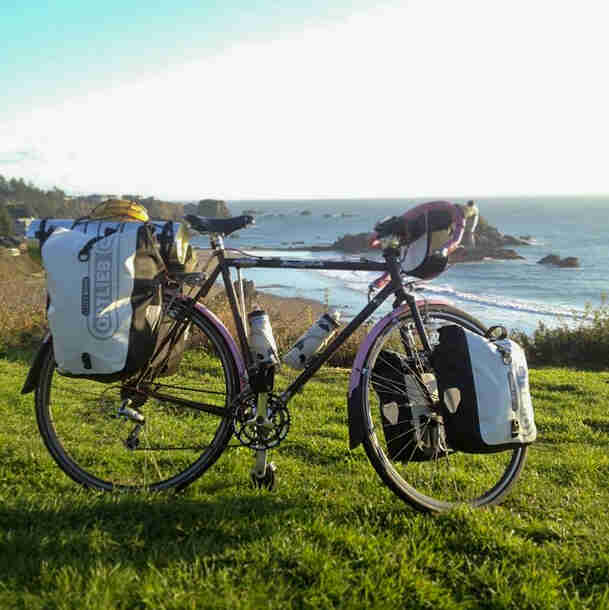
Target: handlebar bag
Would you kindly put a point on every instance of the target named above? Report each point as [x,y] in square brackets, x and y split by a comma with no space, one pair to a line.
[105,298]
[483,387]
[427,233]
[404,406]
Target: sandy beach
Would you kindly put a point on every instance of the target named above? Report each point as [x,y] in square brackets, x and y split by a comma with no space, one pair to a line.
[289,307]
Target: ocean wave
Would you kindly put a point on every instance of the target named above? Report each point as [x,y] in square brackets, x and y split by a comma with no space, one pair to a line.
[501,302]
[359,281]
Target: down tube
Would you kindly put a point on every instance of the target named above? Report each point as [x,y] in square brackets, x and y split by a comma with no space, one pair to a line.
[323,356]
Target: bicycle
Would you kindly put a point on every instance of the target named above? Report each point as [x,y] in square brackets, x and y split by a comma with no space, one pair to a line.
[154,433]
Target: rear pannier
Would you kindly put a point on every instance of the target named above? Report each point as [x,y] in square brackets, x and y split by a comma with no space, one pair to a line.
[484,392]
[176,249]
[105,297]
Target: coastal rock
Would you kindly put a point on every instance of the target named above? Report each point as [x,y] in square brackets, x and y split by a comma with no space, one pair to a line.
[214,208]
[490,237]
[305,213]
[359,242]
[554,259]
[474,255]
[569,261]
[510,240]
[550,259]
[490,243]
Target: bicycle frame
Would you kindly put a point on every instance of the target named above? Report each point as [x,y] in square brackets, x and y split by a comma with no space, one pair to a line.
[394,286]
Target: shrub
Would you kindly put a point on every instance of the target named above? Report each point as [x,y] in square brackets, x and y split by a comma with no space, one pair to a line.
[287,329]
[584,344]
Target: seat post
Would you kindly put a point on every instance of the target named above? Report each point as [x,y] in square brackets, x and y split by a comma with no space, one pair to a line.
[216,241]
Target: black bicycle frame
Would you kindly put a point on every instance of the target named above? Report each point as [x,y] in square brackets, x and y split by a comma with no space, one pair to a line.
[394,286]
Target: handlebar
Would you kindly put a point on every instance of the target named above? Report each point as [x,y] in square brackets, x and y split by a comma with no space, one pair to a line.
[429,221]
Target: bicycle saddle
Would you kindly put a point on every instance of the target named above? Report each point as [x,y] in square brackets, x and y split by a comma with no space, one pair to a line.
[225,226]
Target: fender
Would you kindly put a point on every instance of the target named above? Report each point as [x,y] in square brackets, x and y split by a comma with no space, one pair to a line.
[232,345]
[31,380]
[356,382]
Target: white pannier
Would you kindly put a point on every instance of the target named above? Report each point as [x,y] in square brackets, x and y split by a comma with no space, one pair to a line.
[105,298]
[484,392]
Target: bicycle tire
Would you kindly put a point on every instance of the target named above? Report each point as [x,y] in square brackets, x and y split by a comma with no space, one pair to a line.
[448,479]
[79,422]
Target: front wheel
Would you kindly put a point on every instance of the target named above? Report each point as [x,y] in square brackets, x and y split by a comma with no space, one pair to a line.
[404,438]
[173,431]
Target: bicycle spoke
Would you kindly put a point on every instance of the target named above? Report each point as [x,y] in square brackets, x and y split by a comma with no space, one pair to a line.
[184,420]
[408,449]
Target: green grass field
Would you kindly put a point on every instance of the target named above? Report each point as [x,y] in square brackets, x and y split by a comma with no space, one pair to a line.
[330,535]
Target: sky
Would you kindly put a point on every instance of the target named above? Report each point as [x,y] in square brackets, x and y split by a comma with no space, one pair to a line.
[191,99]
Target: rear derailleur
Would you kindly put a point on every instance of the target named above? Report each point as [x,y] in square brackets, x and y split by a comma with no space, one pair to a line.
[128,411]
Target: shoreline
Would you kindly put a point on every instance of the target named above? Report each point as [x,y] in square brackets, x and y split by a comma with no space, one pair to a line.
[290,307]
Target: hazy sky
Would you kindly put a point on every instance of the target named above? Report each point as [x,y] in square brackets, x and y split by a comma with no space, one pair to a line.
[240,99]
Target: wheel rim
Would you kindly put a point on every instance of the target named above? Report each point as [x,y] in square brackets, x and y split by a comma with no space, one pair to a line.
[400,445]
[80,422]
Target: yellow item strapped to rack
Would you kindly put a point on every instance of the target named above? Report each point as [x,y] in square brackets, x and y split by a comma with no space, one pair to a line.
[120,209]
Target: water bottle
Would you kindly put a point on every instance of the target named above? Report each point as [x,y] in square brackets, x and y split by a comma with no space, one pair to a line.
[312,341]
[262,343]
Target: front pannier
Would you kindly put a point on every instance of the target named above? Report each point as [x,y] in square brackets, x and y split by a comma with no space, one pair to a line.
[484,392]
[105,298]
[404,406]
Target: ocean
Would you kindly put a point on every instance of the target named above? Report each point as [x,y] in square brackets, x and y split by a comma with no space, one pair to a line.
[519,294]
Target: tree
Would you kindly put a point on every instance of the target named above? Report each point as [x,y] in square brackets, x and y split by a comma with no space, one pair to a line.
[6,221]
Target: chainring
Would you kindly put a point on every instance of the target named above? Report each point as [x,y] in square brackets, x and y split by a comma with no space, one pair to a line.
[262,435]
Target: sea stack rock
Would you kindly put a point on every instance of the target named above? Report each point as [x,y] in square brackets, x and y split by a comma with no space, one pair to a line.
[213,208]
[554,259]
[569,261]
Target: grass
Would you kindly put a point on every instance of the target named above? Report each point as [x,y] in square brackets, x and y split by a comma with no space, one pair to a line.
[329,536]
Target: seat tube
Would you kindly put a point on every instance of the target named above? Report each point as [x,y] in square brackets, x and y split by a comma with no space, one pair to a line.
[218,245]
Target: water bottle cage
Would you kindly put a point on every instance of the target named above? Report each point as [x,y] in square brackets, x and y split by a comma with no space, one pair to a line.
[262,377]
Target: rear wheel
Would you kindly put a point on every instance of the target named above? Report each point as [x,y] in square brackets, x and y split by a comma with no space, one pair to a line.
[154,441]
[404,438]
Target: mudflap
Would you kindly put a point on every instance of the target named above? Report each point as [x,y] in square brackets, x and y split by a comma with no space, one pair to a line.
[31,380]
[354,414]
